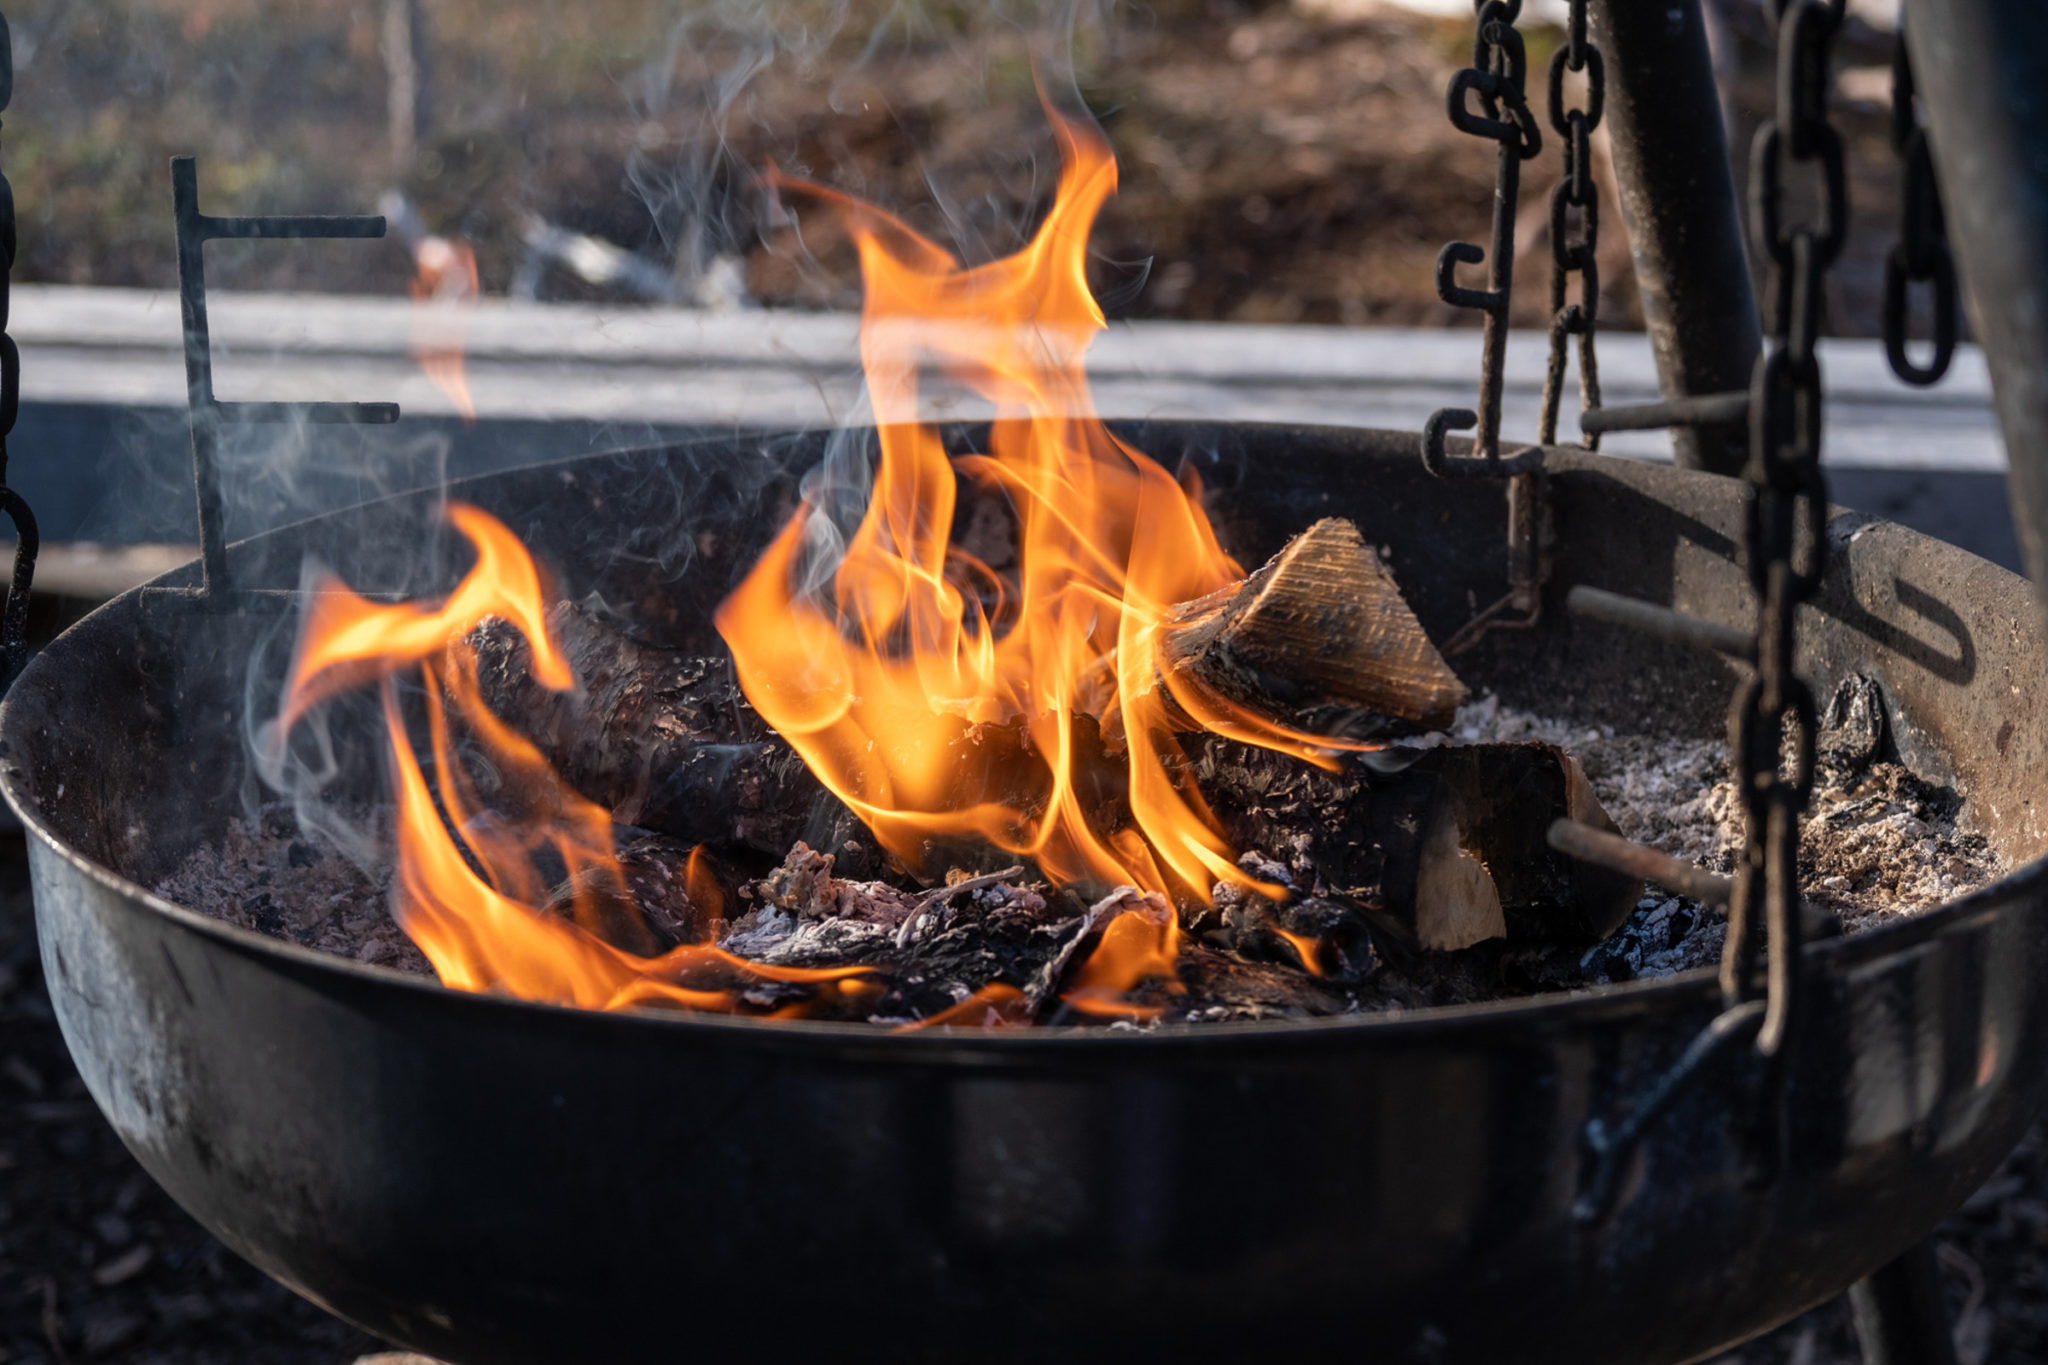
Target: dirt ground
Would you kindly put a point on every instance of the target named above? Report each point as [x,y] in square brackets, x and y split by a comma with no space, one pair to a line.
[1279,162]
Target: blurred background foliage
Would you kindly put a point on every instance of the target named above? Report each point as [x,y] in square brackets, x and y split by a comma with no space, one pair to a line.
[1281,160]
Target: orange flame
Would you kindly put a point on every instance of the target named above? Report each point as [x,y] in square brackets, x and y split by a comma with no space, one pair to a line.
[446,288]
[871,678]
[469,890]
[875,677]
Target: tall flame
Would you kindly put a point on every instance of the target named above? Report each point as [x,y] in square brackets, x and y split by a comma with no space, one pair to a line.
[876,678]
[469,891]
[873,678]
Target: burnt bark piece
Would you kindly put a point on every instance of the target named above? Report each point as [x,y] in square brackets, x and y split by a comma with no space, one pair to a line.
[1445,853]
[665,740]
[1319,638]
[658,910]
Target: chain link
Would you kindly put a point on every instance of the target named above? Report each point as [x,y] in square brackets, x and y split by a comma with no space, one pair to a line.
[1921,255]
[14,617]
[1774,724]
[1574,255]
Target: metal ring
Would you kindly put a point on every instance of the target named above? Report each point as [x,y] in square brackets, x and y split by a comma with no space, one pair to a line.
[1596,88]
[1766,193]
[1897,281]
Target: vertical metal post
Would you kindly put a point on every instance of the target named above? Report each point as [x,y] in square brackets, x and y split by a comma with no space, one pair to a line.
[14,616]
[205,421]
[1981,67]
[1677,191]
[1899,1317]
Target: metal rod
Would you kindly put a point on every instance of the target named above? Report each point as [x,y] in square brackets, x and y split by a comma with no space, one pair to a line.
[1898,1311]
[1611,851]
[1603,848]
[324,414]
[1981,67]
[1678,197]
[1702,410]
[1662,622]
[204,419]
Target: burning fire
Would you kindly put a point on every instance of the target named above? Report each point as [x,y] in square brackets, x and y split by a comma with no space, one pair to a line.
[875,677]
[446,288]
[469,890]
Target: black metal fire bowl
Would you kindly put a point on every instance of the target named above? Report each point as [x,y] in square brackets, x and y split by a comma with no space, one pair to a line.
[494,1181]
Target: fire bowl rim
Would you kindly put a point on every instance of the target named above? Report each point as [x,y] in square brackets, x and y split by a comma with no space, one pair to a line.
[1695,987]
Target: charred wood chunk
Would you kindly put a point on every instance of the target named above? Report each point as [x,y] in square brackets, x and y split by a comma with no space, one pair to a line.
[1852,728]
[1324,936]
[665,741]
[1493,807]
[927,951]
[1319,638]
[650,905]
[1444,853]
[1220,987]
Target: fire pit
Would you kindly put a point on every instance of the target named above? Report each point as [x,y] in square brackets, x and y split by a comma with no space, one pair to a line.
[533,1159]
[493,1180]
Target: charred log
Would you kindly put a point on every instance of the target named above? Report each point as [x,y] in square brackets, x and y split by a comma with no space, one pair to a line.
[665,740]
[1446,852]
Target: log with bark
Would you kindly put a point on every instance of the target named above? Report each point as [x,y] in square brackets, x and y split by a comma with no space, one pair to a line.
[665,740]
[1319,638]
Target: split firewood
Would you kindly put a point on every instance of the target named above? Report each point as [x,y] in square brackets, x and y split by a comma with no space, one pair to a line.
[1319,638]
[1493,807]
[1448,852]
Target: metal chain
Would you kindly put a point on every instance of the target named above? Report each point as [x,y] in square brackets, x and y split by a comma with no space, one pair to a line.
[1773,727]
[1921,255]
[1570,255]
[1497,74]
[14,617]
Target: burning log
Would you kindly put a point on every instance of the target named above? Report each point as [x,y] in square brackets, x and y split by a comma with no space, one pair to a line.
[1319,638]
[666,740]
[1444,854]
